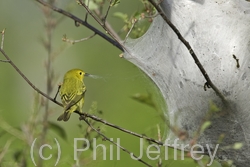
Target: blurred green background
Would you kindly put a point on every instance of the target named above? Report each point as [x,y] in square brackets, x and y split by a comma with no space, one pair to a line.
[118,81]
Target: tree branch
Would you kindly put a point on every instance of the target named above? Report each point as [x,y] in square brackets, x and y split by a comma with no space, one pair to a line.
[65,39]
[27,80]
[108,29]
[191,51]
[117,145]
[108,26]
[158,142]
[2,38]
[84,23]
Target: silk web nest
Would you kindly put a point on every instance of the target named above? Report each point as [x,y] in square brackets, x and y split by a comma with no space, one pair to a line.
[219,33]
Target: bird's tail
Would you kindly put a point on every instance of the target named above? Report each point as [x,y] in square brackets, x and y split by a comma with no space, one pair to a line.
[65,116]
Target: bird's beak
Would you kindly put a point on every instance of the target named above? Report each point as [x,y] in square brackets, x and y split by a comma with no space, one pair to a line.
[86,74]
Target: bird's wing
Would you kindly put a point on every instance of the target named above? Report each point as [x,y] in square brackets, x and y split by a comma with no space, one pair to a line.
[70,100]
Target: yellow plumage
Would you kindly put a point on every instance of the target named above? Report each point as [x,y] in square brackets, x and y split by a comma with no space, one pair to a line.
[72,93]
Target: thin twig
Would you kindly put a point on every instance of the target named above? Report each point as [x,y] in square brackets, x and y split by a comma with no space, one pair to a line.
[159,163]
[108,26]
[11,130]
[134,22]
[86,16]
[159,132]
[120,128]
[78,20]
[5,149]
[107,12]
[2,38]
[106,138]
[191,51]
[65,39]
[58,88]
[27,80]
[102,24]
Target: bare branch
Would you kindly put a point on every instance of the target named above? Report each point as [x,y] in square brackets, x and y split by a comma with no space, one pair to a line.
[27,80]
[87,14]
[117,145]
[5,149]
[59,86]
[191,51]
[133,24]
[108,30]
[107,12]
[108,26]
[120,128]
[84,23]
[11,130]
[65,39]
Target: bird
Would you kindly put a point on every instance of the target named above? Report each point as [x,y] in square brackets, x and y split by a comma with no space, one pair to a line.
[72,92]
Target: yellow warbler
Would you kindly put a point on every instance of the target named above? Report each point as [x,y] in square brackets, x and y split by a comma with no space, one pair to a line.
[72,93]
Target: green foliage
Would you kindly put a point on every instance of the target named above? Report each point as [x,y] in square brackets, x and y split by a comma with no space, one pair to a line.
[228,163]
[213,107]
[205,125]
[122,16]
[237,146]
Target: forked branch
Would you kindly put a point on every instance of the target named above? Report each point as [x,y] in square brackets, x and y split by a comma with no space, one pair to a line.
[116,144]
[82,22]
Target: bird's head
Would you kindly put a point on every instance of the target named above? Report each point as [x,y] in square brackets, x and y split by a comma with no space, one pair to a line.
[78,73]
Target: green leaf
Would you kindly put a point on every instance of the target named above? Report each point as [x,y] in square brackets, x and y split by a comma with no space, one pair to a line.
[228,163]
[237,146]
[213,107]
[221,138]
[205,125]
[58,129]
[121,15]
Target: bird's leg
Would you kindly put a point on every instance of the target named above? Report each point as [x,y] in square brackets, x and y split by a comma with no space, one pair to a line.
[59,86]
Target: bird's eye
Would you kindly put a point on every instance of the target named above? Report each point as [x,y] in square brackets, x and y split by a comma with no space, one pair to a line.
[80,73]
